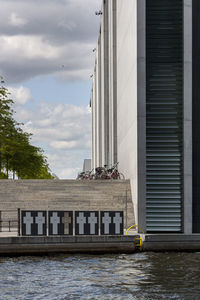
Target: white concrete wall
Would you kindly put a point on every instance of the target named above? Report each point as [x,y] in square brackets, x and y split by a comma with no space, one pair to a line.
[92,100]
[110,65]
[104,90]
[99,70]
[127,93]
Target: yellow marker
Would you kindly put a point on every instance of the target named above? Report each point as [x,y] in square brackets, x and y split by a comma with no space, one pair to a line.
[135,227]
[137,239]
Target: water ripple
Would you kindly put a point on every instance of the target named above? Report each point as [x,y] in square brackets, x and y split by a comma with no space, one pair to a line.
[143,276]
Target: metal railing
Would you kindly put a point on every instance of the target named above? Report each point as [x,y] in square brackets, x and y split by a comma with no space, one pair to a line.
[10,221]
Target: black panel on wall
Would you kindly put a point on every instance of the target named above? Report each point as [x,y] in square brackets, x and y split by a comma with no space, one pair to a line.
[34,222]
[60,223]
[86,222]
[196,116]
[112,222]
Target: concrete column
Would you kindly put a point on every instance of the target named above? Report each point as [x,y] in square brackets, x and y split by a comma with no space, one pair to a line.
[106,81]
[110,98]
[141,111]
[187,116]
[114,62]
[93,126]
[96,115]
[100,102]
[102,90]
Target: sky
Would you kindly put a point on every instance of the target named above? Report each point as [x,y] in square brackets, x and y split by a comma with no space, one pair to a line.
[46,60]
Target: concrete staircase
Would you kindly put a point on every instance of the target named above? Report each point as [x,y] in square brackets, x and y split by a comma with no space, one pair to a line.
[67,195]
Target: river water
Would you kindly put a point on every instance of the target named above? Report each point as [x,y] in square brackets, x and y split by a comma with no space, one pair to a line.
[137,276]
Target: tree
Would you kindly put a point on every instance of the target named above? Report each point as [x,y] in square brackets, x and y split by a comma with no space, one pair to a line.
[6,119]
[16,152]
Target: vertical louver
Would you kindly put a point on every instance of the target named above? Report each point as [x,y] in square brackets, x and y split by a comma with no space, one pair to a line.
[164,106]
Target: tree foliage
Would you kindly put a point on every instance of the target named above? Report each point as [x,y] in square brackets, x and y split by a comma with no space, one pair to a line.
[16,152]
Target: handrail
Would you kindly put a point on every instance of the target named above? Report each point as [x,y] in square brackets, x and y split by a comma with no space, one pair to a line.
[134,226]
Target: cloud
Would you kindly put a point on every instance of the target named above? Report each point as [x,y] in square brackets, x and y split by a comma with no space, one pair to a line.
[28,47]
[16,20]
[70,173]
[64,144]
[62,126]
[63,131]
[20,95]
[56,38]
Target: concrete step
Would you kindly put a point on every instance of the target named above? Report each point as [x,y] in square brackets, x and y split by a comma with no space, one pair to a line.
[67,195]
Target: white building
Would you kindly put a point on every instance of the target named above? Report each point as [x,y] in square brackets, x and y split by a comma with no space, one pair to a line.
[142,106]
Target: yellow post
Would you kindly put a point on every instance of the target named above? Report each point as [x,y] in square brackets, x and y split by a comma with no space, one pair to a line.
[139,239]
[135,227]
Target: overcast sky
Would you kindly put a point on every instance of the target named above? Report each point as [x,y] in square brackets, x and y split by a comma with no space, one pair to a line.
[46,60]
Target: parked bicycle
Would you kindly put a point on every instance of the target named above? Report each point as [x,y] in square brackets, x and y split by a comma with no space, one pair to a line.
[84,175]
[104,173]
[114,173]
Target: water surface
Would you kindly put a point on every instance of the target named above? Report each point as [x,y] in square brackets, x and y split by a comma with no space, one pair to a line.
[138,276]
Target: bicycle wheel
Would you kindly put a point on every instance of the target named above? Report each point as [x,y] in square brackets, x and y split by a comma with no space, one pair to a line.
[121,176]
[105,176]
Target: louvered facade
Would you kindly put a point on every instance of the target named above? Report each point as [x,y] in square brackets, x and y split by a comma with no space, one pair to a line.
[164,115]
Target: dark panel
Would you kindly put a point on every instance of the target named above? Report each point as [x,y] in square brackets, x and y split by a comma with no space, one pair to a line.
[164,113]
[112,223]
[196,116]
[34,223]
[60,223]
[86,222]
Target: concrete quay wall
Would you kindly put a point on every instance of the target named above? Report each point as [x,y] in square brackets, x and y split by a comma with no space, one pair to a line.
[171,242]
[14,246]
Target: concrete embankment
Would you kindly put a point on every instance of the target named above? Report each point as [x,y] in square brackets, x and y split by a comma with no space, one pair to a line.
[74,244]
[13,246]
[171,242]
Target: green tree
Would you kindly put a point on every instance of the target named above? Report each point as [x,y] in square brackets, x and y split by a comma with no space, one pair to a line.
[16,152]
[6,119]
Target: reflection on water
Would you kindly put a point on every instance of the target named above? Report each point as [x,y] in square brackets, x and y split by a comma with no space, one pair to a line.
[138,276]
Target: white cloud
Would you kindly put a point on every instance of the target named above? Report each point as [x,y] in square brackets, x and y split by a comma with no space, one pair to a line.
[28,47]
[70,172]
[21,95]
[41,40]
[16,20]
[64,144]
[63,131]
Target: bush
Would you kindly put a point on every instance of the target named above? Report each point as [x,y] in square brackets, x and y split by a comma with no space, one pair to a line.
[3,175]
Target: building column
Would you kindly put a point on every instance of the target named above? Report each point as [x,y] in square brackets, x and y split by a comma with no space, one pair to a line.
[106,81]
[141,103]
[187,116]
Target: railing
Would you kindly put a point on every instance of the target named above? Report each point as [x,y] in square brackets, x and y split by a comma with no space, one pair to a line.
[10,221]
[35,223]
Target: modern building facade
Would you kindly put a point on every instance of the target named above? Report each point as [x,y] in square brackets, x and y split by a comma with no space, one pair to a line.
[146,106]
